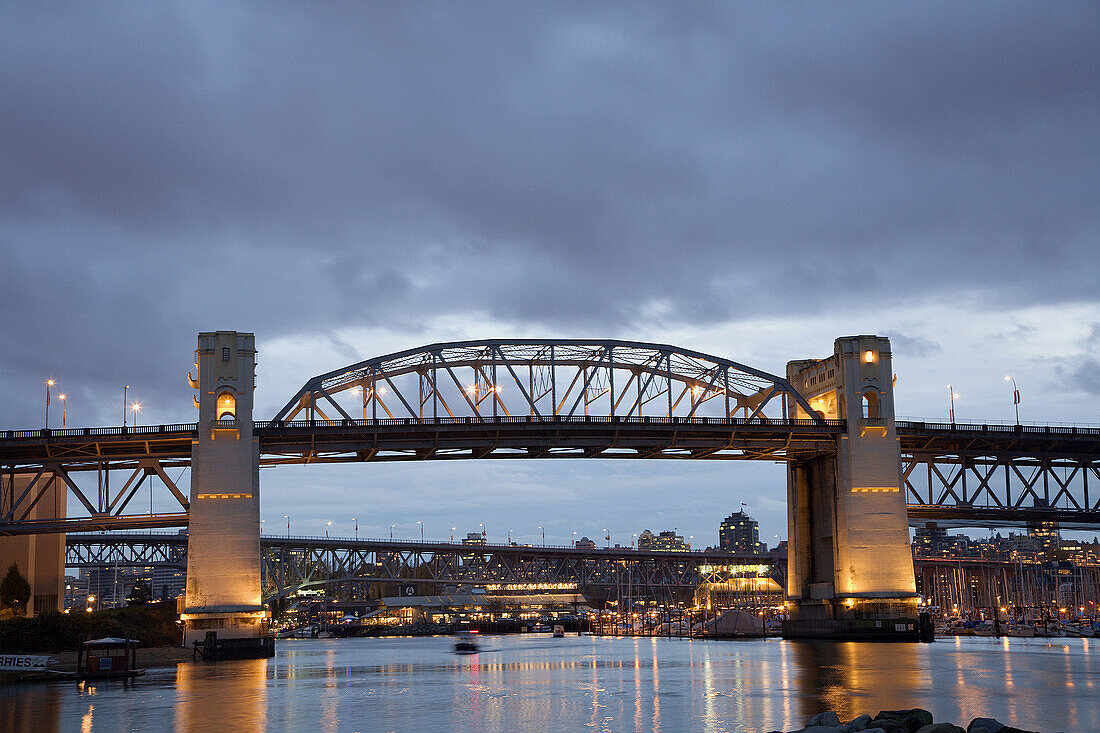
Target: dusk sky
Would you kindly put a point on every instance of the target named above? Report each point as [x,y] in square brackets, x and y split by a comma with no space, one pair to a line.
[350,179]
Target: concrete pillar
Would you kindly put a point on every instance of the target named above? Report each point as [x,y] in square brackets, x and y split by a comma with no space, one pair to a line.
[849,557]
[223,547]
[39,557]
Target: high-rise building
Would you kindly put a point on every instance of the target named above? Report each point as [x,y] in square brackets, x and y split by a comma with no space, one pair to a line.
[740,533]
[1046,535]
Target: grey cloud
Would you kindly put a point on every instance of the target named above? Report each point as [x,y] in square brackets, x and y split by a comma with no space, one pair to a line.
[1086,376]
[292,168]
[915,346]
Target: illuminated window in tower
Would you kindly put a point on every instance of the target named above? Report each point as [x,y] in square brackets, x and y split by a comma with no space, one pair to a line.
[870,404]
[227,406]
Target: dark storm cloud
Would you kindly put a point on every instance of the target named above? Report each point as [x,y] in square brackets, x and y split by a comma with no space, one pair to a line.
[291,168]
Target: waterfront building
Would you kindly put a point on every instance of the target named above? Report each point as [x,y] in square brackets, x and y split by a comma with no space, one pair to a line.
[473,538]
[740,533]
[585,543]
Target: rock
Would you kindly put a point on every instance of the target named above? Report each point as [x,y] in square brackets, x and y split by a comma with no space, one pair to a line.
[940,728]
[907,720]
[994,726]
[856,724]
[980,729]
[1010,729]
[822,729]
[826,718]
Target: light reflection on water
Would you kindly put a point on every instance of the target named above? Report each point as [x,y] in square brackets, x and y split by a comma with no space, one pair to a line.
[536,682]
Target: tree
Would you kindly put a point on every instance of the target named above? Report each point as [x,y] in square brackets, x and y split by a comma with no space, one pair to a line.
[140,594]
[15,591]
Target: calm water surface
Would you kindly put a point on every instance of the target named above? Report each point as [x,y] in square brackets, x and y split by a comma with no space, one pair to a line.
[535,682]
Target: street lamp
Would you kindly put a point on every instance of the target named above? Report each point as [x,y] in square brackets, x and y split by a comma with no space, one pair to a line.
[136,407]
[574,539]
[49,383]
[482,525]
[64,396]
[607,537]
[262,525]
[391,530]
[327,525]
[952,396]
[1015,397]
[632,538]
[691,538]
[510,536]
[124,403]
[543,535]
[356,521]
[453,534]
[287,518]
[421,529]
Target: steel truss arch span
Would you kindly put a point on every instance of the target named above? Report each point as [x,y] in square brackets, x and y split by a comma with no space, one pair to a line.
[542,378]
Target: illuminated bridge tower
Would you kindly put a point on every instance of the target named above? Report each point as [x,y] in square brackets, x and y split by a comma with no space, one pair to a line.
[850,568]
[223,548]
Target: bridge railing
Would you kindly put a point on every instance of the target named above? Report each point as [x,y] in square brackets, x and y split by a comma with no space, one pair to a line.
[99,432]
[550,419]
[997,428]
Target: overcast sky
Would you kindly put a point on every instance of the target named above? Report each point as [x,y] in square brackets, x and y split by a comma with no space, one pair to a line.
[349,179]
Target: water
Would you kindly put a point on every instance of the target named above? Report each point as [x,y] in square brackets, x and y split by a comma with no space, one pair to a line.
[535,682]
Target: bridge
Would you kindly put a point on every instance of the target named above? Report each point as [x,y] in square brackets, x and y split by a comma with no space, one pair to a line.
[290,564]
[829,420]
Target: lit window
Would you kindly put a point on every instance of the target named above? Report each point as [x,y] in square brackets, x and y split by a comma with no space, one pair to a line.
[227,406]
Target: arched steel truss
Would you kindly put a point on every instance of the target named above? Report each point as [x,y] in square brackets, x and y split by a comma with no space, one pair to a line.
[541,379]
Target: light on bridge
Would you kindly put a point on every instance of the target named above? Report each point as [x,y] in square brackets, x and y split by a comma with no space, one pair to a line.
[869,357]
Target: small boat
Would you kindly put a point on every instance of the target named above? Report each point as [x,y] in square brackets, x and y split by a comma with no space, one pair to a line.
[466,642]
[559,631]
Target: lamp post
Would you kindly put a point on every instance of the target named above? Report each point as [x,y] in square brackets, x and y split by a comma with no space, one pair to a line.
[356,521]
[482,525]
[633,537]
[574,539]
[453,534]
[391,530]
[510,536]
[607,538]
[543,535]
[136,407]
[287,518]
[124,404]
[1015,397]
[421,530]
[327,525]
[49,383]
[261,525]
[64,397]
[952,395]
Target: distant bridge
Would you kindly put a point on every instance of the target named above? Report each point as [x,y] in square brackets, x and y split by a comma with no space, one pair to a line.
[290,564]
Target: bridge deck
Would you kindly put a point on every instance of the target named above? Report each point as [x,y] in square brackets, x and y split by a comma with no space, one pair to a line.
[540,437]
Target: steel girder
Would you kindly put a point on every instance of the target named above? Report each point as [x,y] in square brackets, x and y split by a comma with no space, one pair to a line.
[544,378]
[98,507]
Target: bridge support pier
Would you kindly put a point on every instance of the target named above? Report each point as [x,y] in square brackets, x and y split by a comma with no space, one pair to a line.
[223,548]
[850,567]
[39,557]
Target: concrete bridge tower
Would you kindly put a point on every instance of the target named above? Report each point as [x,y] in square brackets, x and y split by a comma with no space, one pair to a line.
[850,567]
[223,548]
